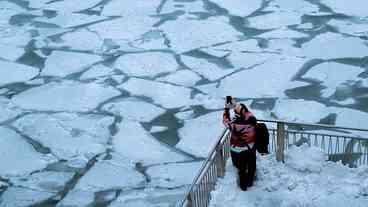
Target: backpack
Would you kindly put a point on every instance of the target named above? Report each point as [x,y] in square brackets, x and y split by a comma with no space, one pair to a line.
[262,138]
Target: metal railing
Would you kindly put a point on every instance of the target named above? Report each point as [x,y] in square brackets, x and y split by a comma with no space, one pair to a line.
[344,144]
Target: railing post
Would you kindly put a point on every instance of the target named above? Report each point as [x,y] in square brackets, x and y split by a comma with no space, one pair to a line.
[280,141]
[220,162]
[189,200]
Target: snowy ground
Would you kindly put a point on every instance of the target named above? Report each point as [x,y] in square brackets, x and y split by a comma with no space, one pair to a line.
[306,179]
[137,88]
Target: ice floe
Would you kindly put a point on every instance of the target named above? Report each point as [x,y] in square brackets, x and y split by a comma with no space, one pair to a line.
[182,77]
[354,8]
[166,95]
[14,73]
[97,71]
[189,34]
[65,96]
[274,20]
[303,7]
[156,129]
[170,175]
[134,109]
[83,40]
[68,136]
[136,144]
[199,135]
[8,9]
[66,20]
[13,35]
[20,197]
[69,5]
[239,7]
[171,6]
[12,53]
[332,75]
[18,157]
[284,47]
[146,64]
[331,45]
[127,9]
[351,118]
[348,27]
[8,110]
[282,33]
[61,63]
[250,45]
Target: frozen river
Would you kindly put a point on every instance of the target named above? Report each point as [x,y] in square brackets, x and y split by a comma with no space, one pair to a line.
[116,102]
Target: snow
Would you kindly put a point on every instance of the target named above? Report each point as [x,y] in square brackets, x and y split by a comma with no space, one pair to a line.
[97,71]
[274,20]
[68,136]
[283,33]
[127,9]
[171,176]
[14,72]
[156,129]
[166,95]
[20,197]
[146,64]
[354,8]
[189,34]
[238,7]
[330,45]
[196,137]
[134,109]
[186,78]
[332,75]
[64,96]
[136,144]
[8,110]
[305,179]
[12,53]
[66,20]
[64,63]
[81,40]
[351,118]
[20,160]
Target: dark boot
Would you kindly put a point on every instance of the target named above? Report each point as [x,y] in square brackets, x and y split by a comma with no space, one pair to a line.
[243,180]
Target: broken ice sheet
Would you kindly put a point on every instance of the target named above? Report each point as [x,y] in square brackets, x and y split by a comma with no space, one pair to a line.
[355,8]
[68,136]
[13,72]
[14,35]
[8,9]
[331,75]
[303,7]
[170,175]
[146,64]
[171,6]
[8,110]
[188,34]
[274,20]
[65,96]
[185,77]
[331,45]
[66,20]
[20,160]
[150,150]
[239,7]
[61,63]
[133,109]
[196,137]
[282,33]
[166,95]
[68,6]
[345,26]
[20,197]
[12,53]
[82,39]
[127,9]
[97,71]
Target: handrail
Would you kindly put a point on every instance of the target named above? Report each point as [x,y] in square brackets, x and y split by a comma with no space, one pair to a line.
[281,135]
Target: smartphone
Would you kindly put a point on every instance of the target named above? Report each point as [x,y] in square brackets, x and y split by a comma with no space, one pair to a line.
[229,99]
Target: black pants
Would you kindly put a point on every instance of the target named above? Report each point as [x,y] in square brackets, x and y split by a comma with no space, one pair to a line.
[245,162]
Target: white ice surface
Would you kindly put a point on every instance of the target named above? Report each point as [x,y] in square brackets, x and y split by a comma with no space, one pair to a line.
[188,34]
[166,95]
[182,77]
[97,71]
[331,75]
[69,5]
[12,53]
[171,175]
[302,7]
[127,9]
[69,136]
[351,118]
[156,129]
[199,135]
[13,72]
[331,45]
[64,96]
[187,6]
[239,7]
[20,197]
[349,27]
[354,8]
[13,36]
[66,20]
[17,156]
[274,20]
[250,45]
[284,47]
[61,63]
[134,109]
[304,175]
[136,144]
[9,9]
[80,40]
[282,33]
[146,64]
[8,110]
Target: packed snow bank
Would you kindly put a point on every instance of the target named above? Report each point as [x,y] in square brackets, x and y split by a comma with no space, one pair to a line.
[306,179]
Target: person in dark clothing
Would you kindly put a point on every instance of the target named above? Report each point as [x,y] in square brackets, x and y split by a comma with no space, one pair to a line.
[242,142]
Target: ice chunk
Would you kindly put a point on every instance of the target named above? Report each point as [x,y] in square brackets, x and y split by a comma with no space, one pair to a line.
[183,115]
[136,144]
[156,129]
[80,40]
[203,67]
[250,45]
[146,64]
[274,20]
[65,96]
[182,77]
[14,36]
[97,71]
[17,156]
[14,72]
[168,96]
[171,6]
[12,53]
[189,34]
[20,197]
[127,9]
[332,75]
[351,118]
[171,175]
[69,5]
[246,60]
[208,102]
[283,33]
[77,198]
[331,45]
[349,27]
[284,47]
[65,63]
[134,109]
[295,159]
[8,110]
[302,7]
[239,7]
[69,136]
[355,8]
[9,9]
[66,20]
[199,135]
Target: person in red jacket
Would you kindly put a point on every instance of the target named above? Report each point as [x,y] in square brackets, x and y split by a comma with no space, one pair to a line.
[242,142]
